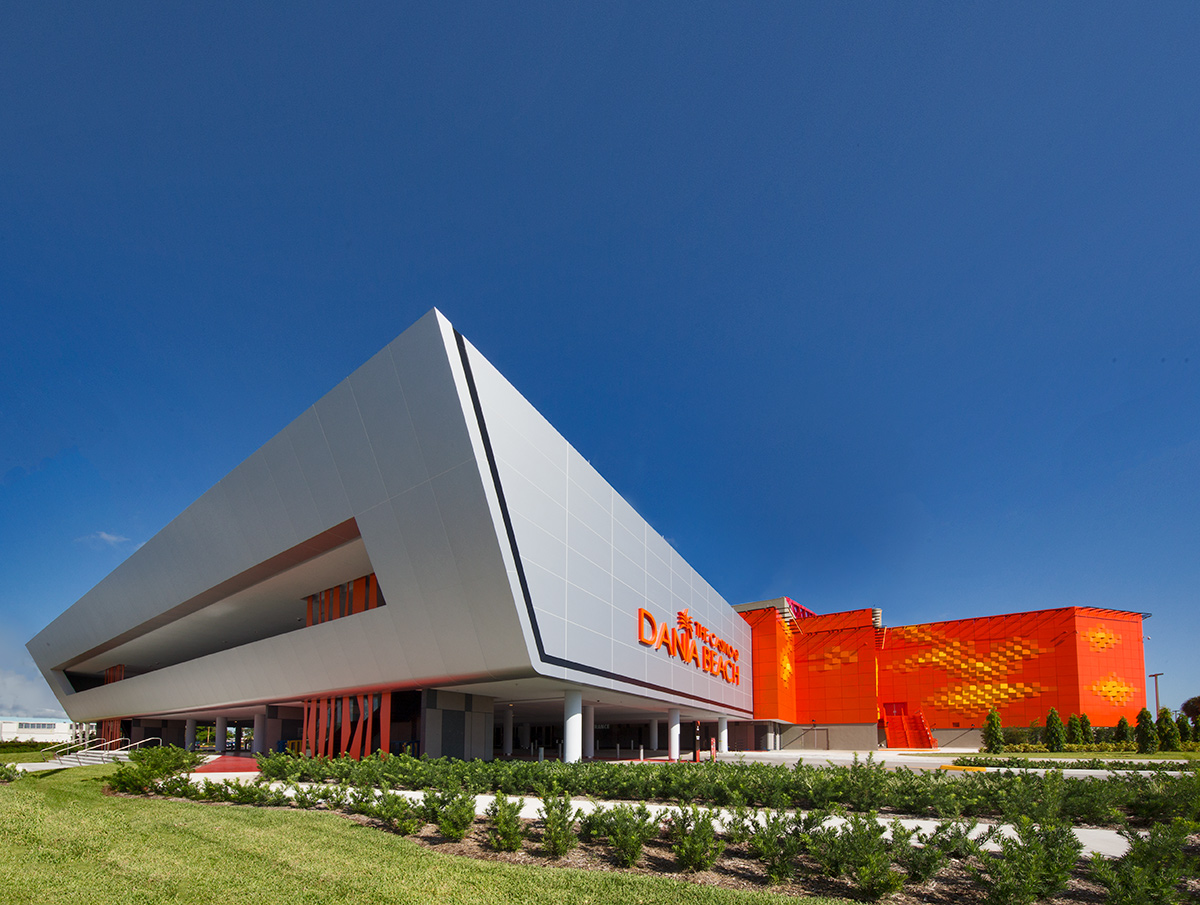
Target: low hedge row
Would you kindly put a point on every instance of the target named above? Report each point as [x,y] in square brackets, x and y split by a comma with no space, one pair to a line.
[1092,763]
[1093,748]
[19,746]
[862,786]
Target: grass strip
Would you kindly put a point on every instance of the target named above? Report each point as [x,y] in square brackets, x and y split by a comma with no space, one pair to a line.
[63,841]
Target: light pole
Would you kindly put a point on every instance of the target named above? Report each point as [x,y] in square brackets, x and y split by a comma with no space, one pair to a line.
[1154,676]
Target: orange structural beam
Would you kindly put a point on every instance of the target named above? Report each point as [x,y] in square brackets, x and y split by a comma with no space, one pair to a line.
[347,599]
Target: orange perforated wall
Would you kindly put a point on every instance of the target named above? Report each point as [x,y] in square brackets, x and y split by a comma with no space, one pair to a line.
[835,668]
[1076,659]
[774,666]
[1111,665]
[844,670]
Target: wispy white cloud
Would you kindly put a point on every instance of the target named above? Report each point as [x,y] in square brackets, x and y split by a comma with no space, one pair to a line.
[25,696]
[99,538]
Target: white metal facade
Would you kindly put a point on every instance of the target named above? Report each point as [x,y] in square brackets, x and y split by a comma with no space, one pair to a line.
[510,568]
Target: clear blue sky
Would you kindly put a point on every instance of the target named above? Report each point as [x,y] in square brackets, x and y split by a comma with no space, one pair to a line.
[889,305]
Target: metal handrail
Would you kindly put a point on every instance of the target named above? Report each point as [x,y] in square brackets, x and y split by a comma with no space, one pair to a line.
[133,745]
[83,747]
[97,746]
[105,746]
[54,750]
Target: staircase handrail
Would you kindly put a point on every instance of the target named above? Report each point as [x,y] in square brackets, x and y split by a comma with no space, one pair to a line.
[100,745]
[53,751]
[76,748]
[132,745]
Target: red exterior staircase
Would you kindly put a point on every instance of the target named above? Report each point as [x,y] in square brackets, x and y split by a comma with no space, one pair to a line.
[908,732]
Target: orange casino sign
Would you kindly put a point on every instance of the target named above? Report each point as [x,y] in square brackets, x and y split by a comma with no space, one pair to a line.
[691,642]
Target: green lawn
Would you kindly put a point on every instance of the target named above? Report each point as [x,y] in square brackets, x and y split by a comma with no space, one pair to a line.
[23,757]
[63,841]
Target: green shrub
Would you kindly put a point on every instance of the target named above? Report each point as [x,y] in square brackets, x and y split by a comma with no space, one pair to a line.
[629,829]
[958,839]
[917,852]
[875,877]
[1168,732]
[593,826]
[1122,732]
[1087,734]
[1185,729]
[558,817]
[20,746]
[402,815]
[743,786]
[1055,736]
[179,786]
[695,843]
[1034,864]
[1074,730]
[9,772]
[993,733]
[1150,872]
[147,766]
[857,848]
[505,832]
[246,793]
[1016,735]
[776,842]
[829,847]
[741,823]
[1146,732]
[452,811]
[307,797]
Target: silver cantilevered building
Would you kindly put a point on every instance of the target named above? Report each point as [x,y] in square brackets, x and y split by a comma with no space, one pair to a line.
[419,562]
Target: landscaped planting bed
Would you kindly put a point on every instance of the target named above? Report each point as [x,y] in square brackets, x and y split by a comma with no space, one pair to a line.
[862,786]
[757,843]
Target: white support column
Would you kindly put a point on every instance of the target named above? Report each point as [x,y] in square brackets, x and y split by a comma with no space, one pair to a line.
[221,732]
[589,730]
[189,736]
[652,741]
[572,727]
[258,744]
[722,735]
[506,736]
[673,733]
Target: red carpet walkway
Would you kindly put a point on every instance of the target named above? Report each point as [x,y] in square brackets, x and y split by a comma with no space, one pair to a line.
[229,763]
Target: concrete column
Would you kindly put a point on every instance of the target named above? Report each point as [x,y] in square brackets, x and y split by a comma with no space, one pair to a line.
[259,743]
[652,742]
[506,736]
[589,730]
[673,733]
[572,749]
[524,735]
[722,735]
[222,729]
[189,735]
